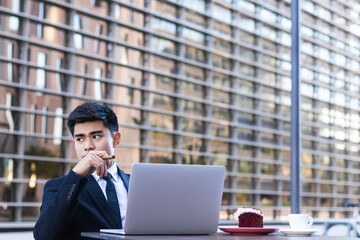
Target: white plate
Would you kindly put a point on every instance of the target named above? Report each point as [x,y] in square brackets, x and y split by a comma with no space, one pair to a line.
[290,232]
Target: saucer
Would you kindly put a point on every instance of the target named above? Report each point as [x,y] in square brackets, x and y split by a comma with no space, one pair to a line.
[248,231]
[291,232]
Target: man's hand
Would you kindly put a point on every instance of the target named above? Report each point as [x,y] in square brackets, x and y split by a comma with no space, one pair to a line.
[92,162]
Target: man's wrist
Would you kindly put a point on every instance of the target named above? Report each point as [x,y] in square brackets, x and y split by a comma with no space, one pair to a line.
[78,171]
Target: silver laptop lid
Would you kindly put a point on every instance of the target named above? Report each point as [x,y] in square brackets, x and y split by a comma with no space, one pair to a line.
[174,199]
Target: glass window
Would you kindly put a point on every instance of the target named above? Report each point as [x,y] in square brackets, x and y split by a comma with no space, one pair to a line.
[247,54]
[307,31]
[194,126]
[161,121]
[162,102]
[160,139]
[58,124]
[221,45]
[324,54]
[192,144]
[268,153]
[193,108]
[193,90]
[324,13]
[219,147]
[246,102]
[285,38]
[99,30]
[163,65]
[7,116]
[161,157]
[268,107]
[129,35]
[268,45]
[221,80]
[78,39]
[309,6]
[222,62]
[40,72]
[307,90]
[163,46]
[246,87]
[8,70]
[269,77]
[221,13]
[268,93]
[14,21]
[41,17]
[247,23]
[165,83]
[269,61]
[164,8]
[269,32]
[246,150]
[195,18]
[268,16]
[245,134]
[220,96]
[269,122]
[268,138]
[99,6]
[194,72]
[222,29]
[54,14]
[218,130]
[97,88]
[247,70]
[246,5]
[324,78]
[324,94]
[247,37]
[193,36]
[307,74]
[221,113]
[164,26]
[197,5]
[286,23]
[194,54]
[126,15]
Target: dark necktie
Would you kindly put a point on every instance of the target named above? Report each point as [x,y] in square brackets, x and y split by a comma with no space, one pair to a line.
[112,199]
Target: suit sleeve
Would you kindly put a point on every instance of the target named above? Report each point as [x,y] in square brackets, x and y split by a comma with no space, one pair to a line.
[57,207]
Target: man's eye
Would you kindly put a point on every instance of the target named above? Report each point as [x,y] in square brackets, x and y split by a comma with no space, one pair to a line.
[96,136]
[79,139]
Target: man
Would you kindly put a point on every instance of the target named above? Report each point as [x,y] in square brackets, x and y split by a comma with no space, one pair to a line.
[82,201]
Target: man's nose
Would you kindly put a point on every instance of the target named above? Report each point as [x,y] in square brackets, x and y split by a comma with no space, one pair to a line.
[89,145]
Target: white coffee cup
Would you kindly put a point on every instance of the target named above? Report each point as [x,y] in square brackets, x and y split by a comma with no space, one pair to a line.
[300,221]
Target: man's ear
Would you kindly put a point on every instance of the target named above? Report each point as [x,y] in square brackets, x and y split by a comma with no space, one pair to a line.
[116,139]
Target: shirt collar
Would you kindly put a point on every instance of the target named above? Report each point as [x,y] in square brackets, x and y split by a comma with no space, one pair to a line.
[112,170]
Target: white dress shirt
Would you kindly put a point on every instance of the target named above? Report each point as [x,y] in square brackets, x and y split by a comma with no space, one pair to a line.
[120,190]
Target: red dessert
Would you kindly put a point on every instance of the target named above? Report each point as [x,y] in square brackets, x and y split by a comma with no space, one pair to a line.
[249,217]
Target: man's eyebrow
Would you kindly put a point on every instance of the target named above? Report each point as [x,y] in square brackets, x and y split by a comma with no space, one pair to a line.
[79,135]
[91,133]
[96,132]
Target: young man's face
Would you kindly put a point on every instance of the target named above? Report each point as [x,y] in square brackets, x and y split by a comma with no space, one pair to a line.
[94,136]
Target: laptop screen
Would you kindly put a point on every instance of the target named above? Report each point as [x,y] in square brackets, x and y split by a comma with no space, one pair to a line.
[174,199]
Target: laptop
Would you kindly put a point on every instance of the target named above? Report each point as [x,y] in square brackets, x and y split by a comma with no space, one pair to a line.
[173,199]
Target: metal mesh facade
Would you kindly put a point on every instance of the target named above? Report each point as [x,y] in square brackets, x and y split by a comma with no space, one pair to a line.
[192,82]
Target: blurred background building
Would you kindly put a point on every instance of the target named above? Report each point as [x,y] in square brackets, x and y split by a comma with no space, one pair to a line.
[192,82]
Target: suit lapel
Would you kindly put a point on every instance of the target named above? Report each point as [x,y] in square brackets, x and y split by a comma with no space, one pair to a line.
[94,190]
[124,177]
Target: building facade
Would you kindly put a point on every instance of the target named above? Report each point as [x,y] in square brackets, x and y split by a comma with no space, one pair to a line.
[192,82]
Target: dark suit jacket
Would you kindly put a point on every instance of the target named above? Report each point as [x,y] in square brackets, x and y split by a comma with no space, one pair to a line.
[73,204]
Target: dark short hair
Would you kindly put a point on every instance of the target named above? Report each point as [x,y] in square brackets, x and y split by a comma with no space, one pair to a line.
[90,112]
